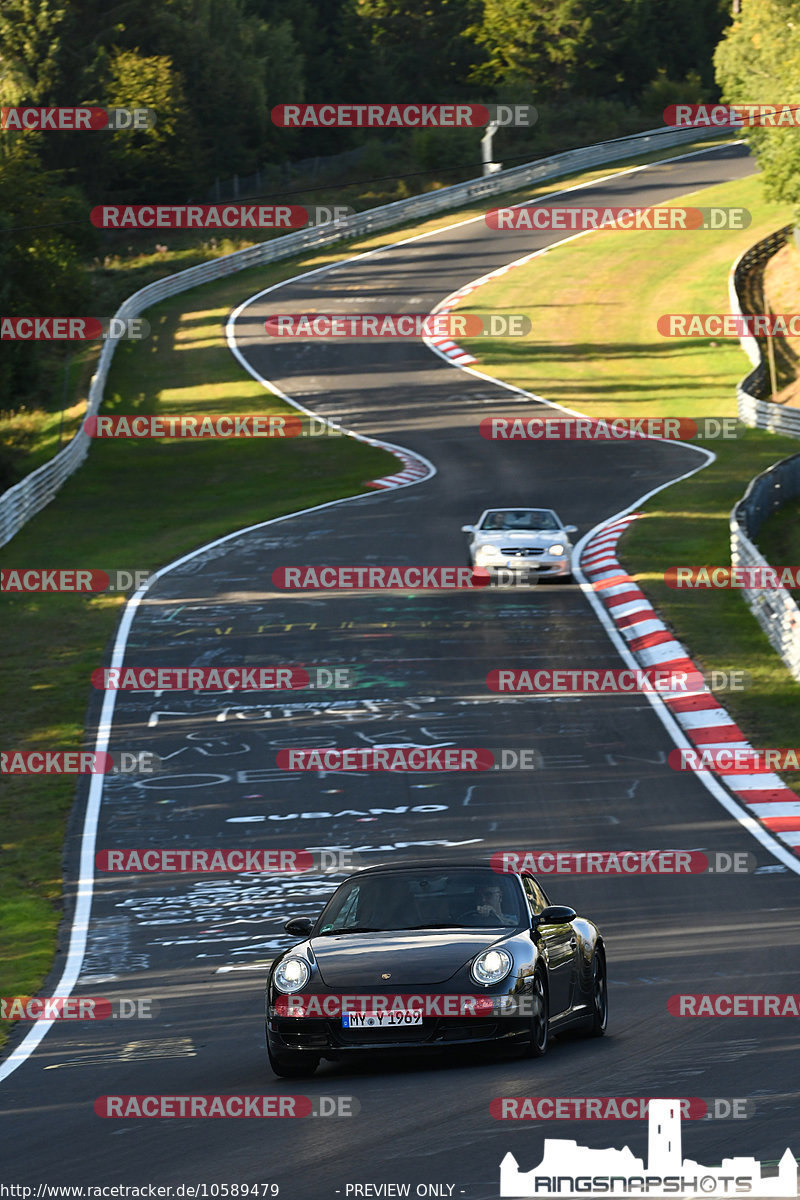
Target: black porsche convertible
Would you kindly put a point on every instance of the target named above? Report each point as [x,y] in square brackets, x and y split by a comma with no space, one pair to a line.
[425,957]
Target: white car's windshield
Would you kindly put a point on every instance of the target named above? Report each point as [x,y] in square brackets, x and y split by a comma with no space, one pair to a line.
[524,518]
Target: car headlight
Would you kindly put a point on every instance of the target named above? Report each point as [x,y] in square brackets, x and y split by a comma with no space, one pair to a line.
[487,554]
[491,966]
[557,548]
[292,975]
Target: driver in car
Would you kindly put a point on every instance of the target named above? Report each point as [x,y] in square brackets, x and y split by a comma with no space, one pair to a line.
[490,898]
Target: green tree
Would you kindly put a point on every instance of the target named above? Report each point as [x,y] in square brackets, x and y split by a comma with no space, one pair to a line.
[758,61]
[420,50]
[31,34]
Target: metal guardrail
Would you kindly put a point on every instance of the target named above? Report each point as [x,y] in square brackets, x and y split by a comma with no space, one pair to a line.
[22,501]
[754,409]
[774,608]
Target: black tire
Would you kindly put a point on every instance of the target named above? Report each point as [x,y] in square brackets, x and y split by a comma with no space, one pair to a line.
[540,1019]
[598,1023]
[293,1066]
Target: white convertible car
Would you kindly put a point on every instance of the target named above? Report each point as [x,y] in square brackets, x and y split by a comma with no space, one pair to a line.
[530,540]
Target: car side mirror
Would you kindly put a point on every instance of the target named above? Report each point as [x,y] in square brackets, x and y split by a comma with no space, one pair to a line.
[467,528]
[299,926]
[570,528]
[556,914]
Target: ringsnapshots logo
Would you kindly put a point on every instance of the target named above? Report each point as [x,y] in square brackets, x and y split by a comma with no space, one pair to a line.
[357,326]
[583,218]
[72,580]
[216,216]
[569,1170]
[740,116]
[72,329]
[402,116]
[71,120]
[615,429]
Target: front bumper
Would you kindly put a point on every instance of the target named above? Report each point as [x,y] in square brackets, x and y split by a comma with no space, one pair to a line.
[329,1039]
[533,568]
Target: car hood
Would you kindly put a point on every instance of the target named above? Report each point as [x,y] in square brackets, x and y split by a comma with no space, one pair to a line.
[410,959]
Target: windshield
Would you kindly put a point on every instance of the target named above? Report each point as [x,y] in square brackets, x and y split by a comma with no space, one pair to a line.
[523,518]
[424,900]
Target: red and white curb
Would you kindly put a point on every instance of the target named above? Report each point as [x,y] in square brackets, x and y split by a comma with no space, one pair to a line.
[414,471]
[446,345]
[701,717]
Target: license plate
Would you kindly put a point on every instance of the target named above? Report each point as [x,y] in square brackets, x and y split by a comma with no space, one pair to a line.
[382,1020]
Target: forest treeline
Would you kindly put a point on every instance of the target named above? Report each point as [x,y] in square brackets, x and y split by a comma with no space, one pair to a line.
[213,69]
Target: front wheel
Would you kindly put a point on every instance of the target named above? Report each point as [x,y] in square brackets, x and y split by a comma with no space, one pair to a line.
[292,1066]
[540,1019]
[598,1023]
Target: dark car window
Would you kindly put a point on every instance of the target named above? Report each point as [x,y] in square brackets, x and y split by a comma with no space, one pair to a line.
[527,518]
[537,901]
[424,899]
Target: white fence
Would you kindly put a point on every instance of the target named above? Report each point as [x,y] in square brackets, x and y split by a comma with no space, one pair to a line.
[760,414]
[31,494]
[774,608]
